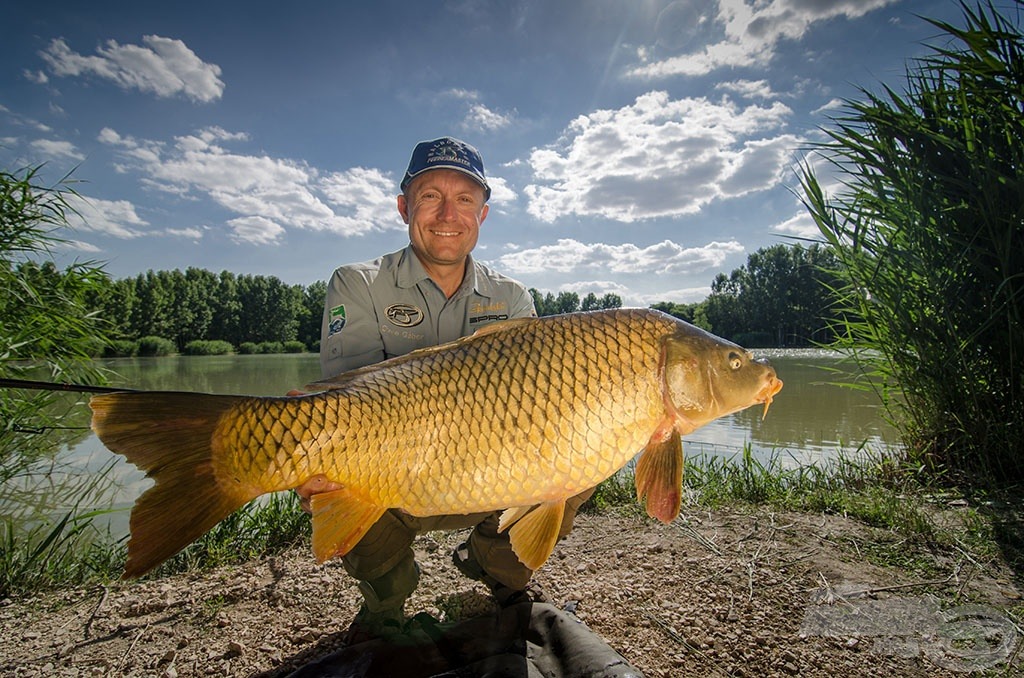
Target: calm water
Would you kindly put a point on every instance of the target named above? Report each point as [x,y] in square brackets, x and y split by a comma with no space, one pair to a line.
[811,420]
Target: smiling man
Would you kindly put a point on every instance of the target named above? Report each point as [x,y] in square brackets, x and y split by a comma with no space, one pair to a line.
[430,292]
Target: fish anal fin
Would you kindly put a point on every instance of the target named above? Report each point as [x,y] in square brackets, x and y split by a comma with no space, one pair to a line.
[340,519]
[659,475]
[534,535]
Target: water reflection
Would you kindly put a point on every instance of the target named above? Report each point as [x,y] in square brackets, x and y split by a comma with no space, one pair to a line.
[813,418]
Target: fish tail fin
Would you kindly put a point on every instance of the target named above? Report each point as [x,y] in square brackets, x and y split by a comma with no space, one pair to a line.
[169,436]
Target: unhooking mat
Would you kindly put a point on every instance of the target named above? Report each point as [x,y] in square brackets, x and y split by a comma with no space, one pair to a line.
[529,640]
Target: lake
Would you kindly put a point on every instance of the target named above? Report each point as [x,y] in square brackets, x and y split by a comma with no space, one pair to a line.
[812,420]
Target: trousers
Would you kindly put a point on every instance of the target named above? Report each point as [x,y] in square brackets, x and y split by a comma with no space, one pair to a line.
[385,567]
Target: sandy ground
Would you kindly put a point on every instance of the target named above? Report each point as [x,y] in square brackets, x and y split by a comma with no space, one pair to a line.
[734,592]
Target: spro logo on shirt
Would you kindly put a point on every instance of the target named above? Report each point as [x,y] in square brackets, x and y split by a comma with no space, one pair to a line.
[488,312]
[404,315]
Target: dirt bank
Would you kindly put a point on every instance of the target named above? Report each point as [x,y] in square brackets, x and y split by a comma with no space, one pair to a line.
[725,593]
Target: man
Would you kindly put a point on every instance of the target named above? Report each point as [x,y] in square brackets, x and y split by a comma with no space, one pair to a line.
[428,293]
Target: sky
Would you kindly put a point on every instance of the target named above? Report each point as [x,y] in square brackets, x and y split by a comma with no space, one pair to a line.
[634,147]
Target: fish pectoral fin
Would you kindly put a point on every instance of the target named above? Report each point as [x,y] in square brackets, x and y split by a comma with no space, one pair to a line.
[534,535]
[659,476]
[340,519]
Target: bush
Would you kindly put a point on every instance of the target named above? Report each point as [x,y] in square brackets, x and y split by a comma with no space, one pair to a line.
[270,347]
[204,347]
[294,347]
[248,348]
[156,346]
[121,348]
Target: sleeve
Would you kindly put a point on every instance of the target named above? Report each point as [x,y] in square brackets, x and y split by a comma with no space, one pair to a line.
[521,304]
[349,334]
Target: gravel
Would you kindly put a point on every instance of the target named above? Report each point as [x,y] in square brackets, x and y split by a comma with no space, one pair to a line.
[731,592]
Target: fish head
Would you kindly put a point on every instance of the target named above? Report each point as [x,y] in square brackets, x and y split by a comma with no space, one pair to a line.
[707,377]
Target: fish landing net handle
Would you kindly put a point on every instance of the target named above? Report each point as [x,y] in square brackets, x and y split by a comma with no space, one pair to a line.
[28,384]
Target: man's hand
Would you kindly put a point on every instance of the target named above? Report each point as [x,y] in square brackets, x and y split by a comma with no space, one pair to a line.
[315,485]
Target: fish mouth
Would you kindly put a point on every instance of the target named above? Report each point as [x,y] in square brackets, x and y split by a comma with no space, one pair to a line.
[766,394]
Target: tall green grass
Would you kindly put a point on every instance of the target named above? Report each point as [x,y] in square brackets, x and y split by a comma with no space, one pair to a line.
[927,223]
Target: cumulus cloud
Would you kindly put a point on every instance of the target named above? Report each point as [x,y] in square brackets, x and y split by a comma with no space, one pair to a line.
[480,117]
[752,32]
[750,89]
[56,149]
[659,157]
[267,195]
[799,226]
[572,256]
[161,66]
[110,217]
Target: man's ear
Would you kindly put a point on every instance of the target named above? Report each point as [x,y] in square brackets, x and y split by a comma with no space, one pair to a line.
[403,207]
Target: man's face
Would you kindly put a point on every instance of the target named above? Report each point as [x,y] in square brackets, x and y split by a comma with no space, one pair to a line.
[444,209]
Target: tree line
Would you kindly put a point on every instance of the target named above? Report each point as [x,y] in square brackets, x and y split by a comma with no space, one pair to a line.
[780,297]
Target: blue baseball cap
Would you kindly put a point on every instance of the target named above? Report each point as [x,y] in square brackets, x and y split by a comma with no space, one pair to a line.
[446,153]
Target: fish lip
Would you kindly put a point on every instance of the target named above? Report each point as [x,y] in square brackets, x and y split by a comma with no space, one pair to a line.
[767,394]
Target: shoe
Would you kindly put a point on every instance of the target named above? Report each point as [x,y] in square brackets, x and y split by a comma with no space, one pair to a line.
[373,625]
[504,595]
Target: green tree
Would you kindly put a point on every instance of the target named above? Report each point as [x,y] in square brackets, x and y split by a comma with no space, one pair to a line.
[268,309]
[929,234]
[313,306]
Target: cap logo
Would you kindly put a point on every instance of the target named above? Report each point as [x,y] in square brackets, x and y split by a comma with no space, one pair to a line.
[404,315]
[447,151]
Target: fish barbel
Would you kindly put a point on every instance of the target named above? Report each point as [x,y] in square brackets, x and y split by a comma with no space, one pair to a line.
[517,417]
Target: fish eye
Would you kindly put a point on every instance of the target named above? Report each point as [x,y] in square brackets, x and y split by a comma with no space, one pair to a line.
[735,361]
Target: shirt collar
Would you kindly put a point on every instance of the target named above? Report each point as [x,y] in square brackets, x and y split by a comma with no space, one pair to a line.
[412,273]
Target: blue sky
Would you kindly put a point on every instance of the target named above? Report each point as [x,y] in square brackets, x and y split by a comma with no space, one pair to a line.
[635,146]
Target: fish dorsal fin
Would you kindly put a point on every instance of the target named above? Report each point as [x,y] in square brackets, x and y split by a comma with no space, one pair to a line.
[533,536]
[340,519]
[659,475]
[499,326]
[341,380]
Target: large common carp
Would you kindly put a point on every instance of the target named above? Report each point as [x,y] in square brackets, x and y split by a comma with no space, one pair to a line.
[520,416]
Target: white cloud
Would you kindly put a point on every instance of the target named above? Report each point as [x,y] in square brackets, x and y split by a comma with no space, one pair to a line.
[800,226]
[480,117]
[685,295]
[659,158]
[116,218]
[750,89]
[268,195]
[54,149]
[752,32]
[832,105]
[571,256]
[255,230]
[162,66]
[188,233]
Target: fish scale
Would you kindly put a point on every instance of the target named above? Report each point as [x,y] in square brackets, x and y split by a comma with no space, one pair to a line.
[522,415]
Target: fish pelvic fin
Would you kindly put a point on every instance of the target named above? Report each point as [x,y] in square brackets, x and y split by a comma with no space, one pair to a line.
[340,519]
[169,436]
[535,532]
[659,475]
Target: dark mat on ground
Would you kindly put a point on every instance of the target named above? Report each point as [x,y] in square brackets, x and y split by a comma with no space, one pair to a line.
[529,640]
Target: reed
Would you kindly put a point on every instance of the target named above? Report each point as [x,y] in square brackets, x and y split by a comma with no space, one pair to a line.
[928,229]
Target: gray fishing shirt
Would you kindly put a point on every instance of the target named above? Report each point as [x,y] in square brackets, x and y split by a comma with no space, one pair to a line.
[389,306]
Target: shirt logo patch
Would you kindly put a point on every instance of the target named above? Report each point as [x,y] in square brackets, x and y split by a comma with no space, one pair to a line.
[404,315]
[336,321]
